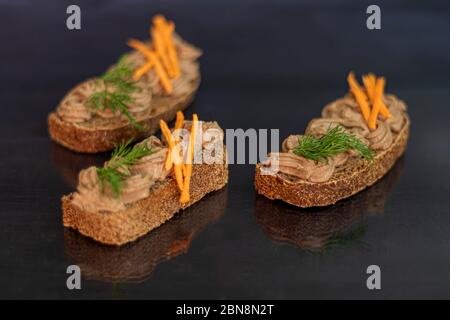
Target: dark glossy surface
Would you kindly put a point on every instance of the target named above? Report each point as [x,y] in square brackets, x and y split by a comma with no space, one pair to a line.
[267,64]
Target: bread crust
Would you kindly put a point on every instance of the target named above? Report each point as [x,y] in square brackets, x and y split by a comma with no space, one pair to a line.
[85,139]
[355,177]
[141,217]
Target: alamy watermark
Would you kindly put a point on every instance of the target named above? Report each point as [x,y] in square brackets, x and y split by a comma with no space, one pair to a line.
[74,280]
[73,21]
[374,280]
[374,19]
[249,146]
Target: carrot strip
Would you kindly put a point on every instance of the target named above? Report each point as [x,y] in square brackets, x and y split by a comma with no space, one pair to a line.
[383,109]
[179,121]
[369,83]
[159,20]
[185,195]
[138,73]
[158,41]
[167,28]
[378,96]
[178,125]
[177,165]
[360,96]
[164,79]
[152,57]
[171,49]
[141,47]
[169,163]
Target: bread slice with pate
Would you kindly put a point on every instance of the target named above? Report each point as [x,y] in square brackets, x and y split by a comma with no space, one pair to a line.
[153,82]
[356,141]
[143,186]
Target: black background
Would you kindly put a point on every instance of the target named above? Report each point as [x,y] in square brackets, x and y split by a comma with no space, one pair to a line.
[267,64]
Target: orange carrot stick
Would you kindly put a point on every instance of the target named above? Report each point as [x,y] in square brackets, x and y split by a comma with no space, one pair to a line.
[159,20]
[177,165]
[378,96]
[169,163]
[173,56]
[360,96]
[152,57]
[167,29]
[158,40]
[179,120]
[178,125]
[369,83]
[167,134]
[185,195]
[139,72]
[383,109]
[141,47]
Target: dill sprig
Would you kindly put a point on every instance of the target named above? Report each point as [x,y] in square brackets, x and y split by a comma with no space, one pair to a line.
[334,142]
[116,96]
[117,169]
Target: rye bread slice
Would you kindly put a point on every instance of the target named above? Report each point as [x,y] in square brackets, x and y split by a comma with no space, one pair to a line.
[104,135]
[141,217]
[349,179]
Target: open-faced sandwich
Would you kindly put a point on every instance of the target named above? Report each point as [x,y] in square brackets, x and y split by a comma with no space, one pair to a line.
[153,82]
[356,141]
[143,186]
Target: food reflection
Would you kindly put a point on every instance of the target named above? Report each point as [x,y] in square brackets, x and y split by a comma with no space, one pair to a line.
[136,261]
[318,229]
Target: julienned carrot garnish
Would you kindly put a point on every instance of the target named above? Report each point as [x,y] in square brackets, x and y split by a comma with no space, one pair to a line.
[171,49]
[164,56]
[183,178]
[185,196]
[169,163]
[167,28]
[369,83]
[178,125]
[179,121]
[152,57]
[138,73]
[384,110]
[360,96]
[158,42]
[377,102]
[159,20]
[163,77]
[173,153]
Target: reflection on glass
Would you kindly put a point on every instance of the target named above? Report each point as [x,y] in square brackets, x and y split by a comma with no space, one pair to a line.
[136,261]
[318,229]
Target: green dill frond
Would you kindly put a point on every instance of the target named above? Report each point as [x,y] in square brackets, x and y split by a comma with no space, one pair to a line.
[111,176]
[120,76]
[334,142]
[116,96]
[117,168]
